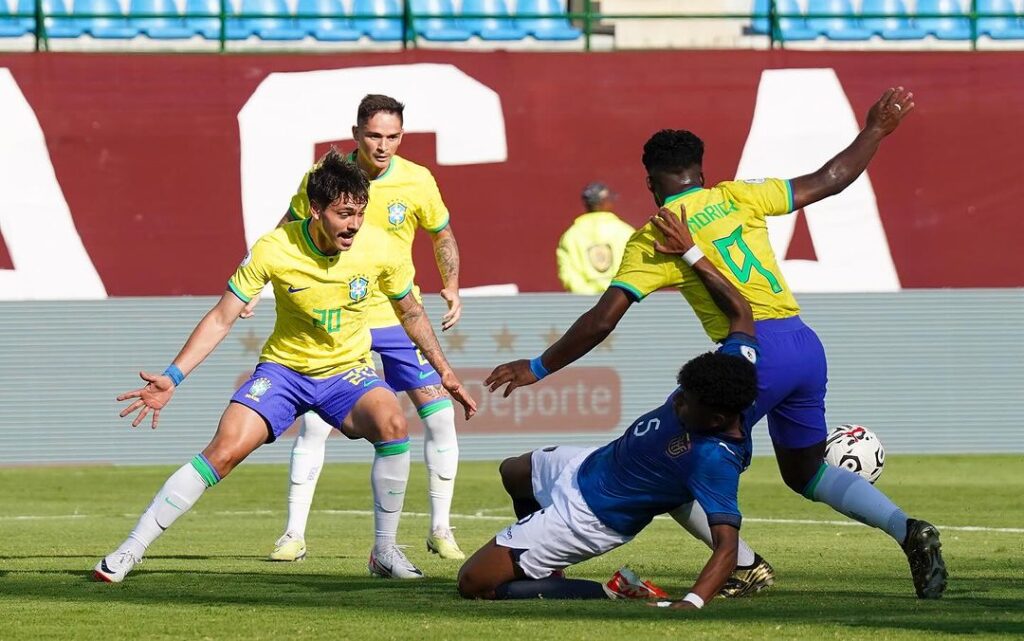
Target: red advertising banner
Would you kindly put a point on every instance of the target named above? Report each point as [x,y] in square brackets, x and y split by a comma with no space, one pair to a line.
[132,175]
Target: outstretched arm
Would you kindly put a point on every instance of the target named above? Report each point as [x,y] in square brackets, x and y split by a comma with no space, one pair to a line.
[724,545]
[446,253]
[840,172]
[585,334]
[159,388]
[416,324]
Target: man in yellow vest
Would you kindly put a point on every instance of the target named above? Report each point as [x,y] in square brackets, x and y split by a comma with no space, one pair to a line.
[590,251]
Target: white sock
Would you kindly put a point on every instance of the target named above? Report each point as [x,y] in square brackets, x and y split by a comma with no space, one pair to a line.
[179,493]
[307,461]
[693,518]
[850,494]
[441,452]
[389,477]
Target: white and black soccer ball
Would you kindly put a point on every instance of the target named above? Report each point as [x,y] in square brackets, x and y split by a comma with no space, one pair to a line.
[857,449]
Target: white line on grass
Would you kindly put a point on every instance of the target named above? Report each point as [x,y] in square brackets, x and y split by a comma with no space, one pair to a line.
[481,516]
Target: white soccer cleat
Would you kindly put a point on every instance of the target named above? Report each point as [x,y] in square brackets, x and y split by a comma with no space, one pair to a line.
[115,566]
[442,543]
[289,548]
[391,563]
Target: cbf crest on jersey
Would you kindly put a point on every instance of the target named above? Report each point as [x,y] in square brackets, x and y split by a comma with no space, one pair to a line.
[258,388]
[358,288]
[396,212]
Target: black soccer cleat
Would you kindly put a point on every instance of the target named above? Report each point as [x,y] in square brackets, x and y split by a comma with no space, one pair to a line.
[924,552]
[749,580]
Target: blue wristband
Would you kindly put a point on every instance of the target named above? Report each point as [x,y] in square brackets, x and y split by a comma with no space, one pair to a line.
[538,368]
[173,373]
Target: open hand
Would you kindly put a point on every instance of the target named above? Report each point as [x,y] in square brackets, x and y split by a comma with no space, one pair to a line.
[677,234]
[454,386]
[451,296]
[153,397]
[516,374]
[886,114]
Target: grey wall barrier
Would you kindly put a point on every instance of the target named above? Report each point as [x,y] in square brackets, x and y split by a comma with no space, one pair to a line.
[931,371]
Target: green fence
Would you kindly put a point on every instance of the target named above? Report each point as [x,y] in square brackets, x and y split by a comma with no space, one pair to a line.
[587,20]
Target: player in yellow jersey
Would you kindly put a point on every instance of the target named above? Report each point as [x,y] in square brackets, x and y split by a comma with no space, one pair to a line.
[403,198]
[728,223]
[316,359]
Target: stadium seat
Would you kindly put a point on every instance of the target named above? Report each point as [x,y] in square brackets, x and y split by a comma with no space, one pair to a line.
[545,28]
[895,27]
[955,26]
[60,27]
[763,23]
[209,28]
[15,27]
[491,28]
[841,23]
[793,29]
[383,29]
[170,27]
[332,26]
[118,28]
[276,25]
[999,28]
[445,29]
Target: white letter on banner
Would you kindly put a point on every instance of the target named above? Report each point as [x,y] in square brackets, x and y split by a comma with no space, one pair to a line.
[50,262]
[289,113]
[802,119]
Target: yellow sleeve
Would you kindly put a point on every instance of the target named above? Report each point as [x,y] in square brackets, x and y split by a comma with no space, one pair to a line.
[770,196]
[299,207]
[253,273]
[644,270]
[433,214]
[396,277]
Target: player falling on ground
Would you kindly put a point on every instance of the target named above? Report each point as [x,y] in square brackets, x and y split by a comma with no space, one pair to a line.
[576,503]
[317,359]
[403,197]
[728,223]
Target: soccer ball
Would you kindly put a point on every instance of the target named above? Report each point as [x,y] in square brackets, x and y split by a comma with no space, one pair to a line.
[856,448]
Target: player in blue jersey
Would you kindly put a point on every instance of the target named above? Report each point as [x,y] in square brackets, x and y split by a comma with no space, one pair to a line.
[729,222]
[577,503]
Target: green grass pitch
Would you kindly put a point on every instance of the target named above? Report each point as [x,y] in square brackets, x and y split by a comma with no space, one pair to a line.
[207,578]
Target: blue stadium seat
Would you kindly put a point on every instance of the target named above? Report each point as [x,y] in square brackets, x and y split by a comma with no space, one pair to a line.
[331,27]
[60,27]
[896,27]
[171,27]
[841,25]
[793,29]
[15,27]
[545,28]
[491,28]
[104,27]
[999,28]
[761,24]
[446,29]
[209,28]
[271,27]
[955,26]
[383,29]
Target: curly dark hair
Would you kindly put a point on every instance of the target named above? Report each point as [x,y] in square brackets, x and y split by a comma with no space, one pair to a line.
[673,150]
[336,176]
[375,103]
[723,382]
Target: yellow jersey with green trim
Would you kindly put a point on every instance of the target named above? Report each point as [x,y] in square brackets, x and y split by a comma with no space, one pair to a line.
[728,223]
[322,302]
[403,197]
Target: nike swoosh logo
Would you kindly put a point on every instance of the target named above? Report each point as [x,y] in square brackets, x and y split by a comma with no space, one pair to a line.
[169,502]
[293,290]
[369,383]
[394,493]
[424,375]
[442,450]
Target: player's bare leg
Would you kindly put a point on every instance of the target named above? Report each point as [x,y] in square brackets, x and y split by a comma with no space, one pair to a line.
[240,432]
[517,477]
[441,455]
[378,418]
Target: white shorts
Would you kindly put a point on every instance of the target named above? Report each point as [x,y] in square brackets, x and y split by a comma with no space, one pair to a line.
[565,531]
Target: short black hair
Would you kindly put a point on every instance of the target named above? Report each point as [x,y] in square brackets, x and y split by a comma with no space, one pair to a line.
[723,382]
[375,103]
[336,176]
[673,150]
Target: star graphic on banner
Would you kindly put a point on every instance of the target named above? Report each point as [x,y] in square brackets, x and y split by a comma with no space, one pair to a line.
[552,335]
[456,340]
[251,342]
[504,339]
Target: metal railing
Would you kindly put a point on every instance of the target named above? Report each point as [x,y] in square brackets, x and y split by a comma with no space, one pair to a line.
[587,19]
